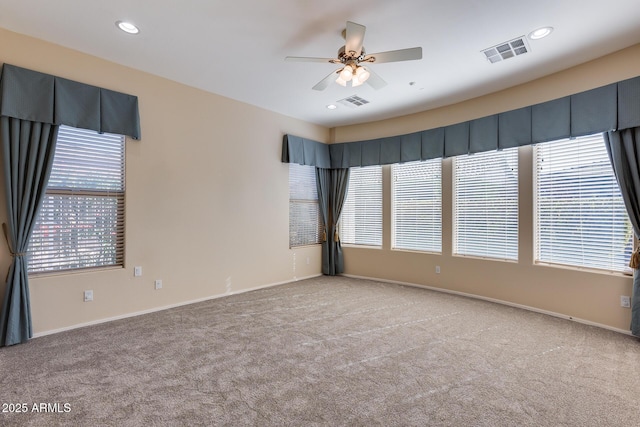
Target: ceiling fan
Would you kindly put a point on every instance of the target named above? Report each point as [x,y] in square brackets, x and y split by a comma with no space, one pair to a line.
[352,55]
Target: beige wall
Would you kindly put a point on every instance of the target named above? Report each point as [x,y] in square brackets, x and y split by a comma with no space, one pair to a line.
[590,296]
[206,198]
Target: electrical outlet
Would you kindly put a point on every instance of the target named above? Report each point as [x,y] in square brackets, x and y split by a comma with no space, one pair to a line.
[88,296]
[137,271]
[158,284]
[625,301]
[437,269]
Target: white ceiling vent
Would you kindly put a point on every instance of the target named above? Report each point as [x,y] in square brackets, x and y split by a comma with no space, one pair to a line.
[353,101]
[506,50]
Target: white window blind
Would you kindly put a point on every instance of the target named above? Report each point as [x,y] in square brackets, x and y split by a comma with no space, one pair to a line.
[305,221]
[361,218]
[417,206]
[486,204]
[81,222]
[579,212]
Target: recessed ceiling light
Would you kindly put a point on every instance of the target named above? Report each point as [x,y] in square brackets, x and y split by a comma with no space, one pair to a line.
[332,106]
[540,33]
[127,27]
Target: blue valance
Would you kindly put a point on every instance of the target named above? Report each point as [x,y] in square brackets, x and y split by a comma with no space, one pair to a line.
[34,96]
[305,152]
[611,107]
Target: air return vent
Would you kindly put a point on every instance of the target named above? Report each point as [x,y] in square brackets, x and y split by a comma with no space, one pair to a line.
[353,101]
[506,50]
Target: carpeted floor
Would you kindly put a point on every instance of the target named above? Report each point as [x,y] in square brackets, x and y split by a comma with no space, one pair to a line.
[327,352]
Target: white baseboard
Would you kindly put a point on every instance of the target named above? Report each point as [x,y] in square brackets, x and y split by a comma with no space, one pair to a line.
[497,301]
[166,307]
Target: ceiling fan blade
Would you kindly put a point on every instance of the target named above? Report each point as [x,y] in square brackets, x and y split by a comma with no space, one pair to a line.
[374,80]
[324,83]
[354,37]
[311,59]
[395,55]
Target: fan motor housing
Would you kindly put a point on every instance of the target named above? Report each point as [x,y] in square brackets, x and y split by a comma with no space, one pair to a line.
[344,56]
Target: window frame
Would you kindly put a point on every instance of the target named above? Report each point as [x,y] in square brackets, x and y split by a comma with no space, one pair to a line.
[62,194]
[515,224]
[310,193]
[613,186]
[346,210]
[423,167]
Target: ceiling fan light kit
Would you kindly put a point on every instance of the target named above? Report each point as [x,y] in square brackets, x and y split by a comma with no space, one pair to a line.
[362,75]
[345,75]
[357,77]
[352,54]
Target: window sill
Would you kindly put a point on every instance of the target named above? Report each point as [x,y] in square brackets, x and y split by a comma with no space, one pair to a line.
[351,245]
[416,251]
[45,274]
[309,245]
[586,269]
[484,258]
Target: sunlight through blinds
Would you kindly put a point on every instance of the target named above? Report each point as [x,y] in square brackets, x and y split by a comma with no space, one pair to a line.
[486,204]
[417,205]
[580,216]
[81,221]
[305,222]
[361,218]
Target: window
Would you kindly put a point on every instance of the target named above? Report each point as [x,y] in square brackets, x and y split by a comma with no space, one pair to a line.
[486,204]
[417,206]
[81,221]
[305,223]
[361,218]
[579,212]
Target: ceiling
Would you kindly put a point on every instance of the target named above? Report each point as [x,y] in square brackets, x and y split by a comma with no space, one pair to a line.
[237,48]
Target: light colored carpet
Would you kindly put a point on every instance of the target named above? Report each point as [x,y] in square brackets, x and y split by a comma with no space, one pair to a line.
[329,351]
